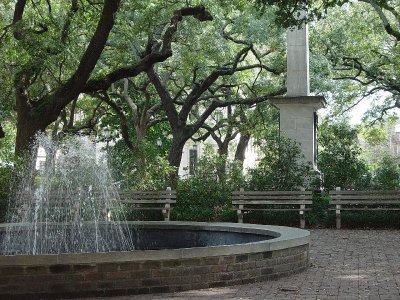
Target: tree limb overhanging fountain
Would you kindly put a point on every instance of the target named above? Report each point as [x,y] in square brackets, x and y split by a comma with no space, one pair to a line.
[67,237]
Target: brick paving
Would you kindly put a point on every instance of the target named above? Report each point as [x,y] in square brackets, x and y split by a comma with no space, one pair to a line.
[345,264]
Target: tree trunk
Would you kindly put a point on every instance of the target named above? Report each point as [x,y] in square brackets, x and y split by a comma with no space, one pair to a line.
[138,152]
[35,117]
[223,153]
[2,133]
[241,147]
[175,157]
[28,125]
[223,148]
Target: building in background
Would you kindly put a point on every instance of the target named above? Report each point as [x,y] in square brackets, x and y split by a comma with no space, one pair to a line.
[193,152]
[394,141]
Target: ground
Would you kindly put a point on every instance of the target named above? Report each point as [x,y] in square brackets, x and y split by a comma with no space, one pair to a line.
[345,264]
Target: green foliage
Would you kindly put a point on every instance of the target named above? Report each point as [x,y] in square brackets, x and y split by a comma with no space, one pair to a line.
[281,218]
[7,161]
[318,216]
[142,215]
[201,201]
[5,186]
[282,167]
[139,173]
[263,122]
[387,174]
[376,142]
[374,135]
[7,144]
[366,219]
[339,157]
[206,196]
[351,44]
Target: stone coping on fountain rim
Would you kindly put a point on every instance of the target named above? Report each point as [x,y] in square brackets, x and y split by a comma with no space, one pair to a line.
[285,237]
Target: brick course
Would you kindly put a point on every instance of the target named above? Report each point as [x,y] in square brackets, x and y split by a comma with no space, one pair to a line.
[106,279]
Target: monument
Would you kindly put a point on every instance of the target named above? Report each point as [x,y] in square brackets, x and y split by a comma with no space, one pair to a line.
[298,110]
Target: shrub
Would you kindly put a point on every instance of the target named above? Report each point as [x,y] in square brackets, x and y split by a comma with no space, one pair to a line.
[318,216]
[282,167]
[387,174]
[366,219]
[206,196]
[281,218]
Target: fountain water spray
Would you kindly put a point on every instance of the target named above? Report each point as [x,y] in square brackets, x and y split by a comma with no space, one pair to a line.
[70,206]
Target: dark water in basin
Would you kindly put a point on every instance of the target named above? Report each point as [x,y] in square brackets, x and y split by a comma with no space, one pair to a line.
[155,239]
[166,238]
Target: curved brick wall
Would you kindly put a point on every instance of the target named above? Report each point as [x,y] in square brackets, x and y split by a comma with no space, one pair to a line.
[154,271]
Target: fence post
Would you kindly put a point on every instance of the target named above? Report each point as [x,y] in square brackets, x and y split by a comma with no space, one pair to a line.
[338,207]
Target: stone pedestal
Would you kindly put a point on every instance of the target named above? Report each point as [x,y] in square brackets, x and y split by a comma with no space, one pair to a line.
[298,121]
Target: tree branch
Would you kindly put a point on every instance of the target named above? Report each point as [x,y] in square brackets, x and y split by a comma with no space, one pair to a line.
[131,104]
[56,101]
[18,13]
[72,113]
[385,22]
[250,101]
[165,97]
[154,53]
[122,118]
[67,24]
[199,89]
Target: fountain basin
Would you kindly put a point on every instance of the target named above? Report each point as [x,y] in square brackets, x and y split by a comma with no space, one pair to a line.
[219,254]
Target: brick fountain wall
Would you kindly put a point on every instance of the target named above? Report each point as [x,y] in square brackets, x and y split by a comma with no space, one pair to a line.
[155,271]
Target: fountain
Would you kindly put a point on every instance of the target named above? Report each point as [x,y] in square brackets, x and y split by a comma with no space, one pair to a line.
[67,206]
[67,237]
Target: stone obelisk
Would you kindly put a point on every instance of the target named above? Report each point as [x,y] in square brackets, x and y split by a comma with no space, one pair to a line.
[298,118]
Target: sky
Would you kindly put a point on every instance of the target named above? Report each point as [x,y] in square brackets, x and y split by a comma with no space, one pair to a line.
[357,112]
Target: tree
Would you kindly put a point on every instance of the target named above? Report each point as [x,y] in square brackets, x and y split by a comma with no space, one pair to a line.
[339,157]
[376,141]
[191,90]
[359,39]
[136,117]
[49,76]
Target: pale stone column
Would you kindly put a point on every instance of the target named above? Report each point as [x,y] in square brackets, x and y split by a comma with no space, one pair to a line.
[298,108]
[298,79]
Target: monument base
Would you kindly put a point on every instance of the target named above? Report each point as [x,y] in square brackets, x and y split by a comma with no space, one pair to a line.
[298,121]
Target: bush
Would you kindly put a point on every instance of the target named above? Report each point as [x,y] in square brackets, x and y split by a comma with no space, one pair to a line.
[206,196]
[281,168]
[201,201]
[366,219]
[318,216]
[142,215]
[387,174]
[281,218]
